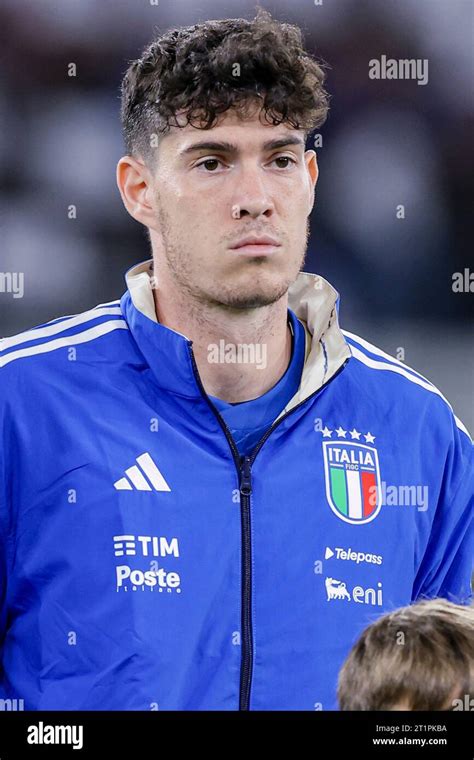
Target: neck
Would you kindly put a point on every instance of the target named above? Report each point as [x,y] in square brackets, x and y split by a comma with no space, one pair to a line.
[240,354]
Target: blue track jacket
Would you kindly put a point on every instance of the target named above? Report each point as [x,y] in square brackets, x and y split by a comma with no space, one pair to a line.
[145,565]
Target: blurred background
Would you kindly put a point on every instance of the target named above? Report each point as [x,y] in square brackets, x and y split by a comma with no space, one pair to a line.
[385,143]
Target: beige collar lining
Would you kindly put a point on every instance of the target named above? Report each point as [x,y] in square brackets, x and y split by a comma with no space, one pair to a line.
[313,300]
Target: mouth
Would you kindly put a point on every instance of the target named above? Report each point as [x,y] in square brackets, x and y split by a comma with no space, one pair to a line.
[256,246]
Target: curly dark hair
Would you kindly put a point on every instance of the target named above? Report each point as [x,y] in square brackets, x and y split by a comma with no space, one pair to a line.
[203,70]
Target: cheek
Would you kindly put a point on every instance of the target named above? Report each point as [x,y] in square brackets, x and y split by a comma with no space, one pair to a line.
[189,204]
[295,204]
[182,211]
[206,215]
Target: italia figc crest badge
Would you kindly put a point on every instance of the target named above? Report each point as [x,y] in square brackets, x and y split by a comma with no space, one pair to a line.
[352,475]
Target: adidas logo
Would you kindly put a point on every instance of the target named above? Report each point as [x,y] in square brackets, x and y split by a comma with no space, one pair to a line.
[136,480]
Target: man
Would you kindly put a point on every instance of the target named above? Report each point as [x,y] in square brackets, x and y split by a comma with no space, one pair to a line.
[191,509]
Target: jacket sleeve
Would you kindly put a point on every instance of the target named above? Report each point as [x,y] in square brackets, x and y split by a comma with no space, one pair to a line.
[447,564]
[6,505]
[3,528]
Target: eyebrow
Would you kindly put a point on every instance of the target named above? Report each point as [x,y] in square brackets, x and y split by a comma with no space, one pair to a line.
[226,147]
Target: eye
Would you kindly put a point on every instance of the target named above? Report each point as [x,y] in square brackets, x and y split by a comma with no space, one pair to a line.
[284,158]
[211,164]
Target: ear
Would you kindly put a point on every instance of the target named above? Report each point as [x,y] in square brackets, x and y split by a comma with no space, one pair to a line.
[135,182]
[313,173]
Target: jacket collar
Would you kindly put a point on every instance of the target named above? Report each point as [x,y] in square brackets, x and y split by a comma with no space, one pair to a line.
[313,300]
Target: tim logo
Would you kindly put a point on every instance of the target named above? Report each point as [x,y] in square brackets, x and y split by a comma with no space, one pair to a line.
[352,476]
[145,546]
[151,577]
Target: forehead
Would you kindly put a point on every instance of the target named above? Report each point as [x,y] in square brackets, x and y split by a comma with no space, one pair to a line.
[249,131]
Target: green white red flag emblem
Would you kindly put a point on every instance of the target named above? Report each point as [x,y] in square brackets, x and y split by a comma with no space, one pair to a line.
[352,476]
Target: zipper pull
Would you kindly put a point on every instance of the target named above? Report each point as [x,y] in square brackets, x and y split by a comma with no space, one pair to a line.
[245,476]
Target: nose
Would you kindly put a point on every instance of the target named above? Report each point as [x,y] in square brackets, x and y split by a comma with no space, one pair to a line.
[252,196]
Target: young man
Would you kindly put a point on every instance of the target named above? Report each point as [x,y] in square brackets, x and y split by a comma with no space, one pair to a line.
[193,477]
[419,657]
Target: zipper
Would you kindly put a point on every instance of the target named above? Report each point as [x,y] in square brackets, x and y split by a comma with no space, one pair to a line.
[244,468]
[246,637]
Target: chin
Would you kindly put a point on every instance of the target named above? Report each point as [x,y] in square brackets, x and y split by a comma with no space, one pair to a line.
[252,298]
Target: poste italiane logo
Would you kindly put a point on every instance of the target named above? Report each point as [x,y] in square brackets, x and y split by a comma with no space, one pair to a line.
[352,476]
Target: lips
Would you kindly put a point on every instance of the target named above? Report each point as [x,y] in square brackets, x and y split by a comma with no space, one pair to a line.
[254,240]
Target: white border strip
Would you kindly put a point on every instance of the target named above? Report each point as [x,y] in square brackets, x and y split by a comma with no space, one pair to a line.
[108,303]
[70,340]
[413,378]
[378,352]
[57,327]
